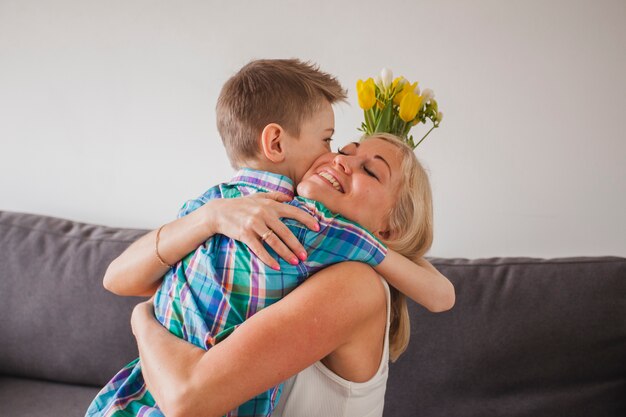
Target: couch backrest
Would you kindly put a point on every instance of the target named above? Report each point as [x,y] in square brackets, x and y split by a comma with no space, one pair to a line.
[57,322]
[527,337]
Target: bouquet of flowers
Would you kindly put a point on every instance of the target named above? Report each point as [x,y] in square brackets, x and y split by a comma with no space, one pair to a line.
[395,106]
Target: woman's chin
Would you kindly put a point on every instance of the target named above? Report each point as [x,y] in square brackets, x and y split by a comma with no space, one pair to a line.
[307,190]
[314,192]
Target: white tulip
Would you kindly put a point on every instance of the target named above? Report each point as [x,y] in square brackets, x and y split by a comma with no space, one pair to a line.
[428,94]
[378,82]
[387,77]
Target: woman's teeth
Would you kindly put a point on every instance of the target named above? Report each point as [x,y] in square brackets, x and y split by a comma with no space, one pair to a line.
[331,179]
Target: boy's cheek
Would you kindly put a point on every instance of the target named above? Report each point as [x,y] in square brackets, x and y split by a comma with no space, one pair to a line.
[307,167]
[302,172]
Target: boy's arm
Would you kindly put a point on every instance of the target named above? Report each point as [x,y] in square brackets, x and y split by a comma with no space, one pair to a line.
[340,240]
[419,281]
[343,240]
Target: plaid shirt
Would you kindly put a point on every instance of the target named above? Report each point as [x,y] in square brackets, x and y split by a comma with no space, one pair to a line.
[217,287]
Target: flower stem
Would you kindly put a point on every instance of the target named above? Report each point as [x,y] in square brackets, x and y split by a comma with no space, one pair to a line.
[427,133]
[369,122]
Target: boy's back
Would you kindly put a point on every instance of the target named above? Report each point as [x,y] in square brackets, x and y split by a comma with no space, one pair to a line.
[222,283]
[211,291]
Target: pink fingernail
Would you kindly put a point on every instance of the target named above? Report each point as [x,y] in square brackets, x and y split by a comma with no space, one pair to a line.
[302,256]
[294,261]
[317,227]
[276,267]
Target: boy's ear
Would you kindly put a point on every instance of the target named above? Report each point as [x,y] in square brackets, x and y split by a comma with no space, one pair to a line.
[273,142]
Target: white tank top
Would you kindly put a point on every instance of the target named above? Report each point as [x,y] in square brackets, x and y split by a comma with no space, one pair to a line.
[319,392]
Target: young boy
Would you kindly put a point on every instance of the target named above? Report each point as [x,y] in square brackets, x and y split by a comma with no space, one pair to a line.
[205,296]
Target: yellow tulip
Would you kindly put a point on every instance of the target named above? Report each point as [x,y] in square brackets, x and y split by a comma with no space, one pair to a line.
[408,87]
[366,91]
[398,83]
[409,106]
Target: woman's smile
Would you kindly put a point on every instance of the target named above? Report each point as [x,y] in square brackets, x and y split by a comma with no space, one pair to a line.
[364,175]
[331,178]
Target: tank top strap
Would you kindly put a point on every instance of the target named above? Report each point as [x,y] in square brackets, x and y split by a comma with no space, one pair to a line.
[319,392]
[385,358]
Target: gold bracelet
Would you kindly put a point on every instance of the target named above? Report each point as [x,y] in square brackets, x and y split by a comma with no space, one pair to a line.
[156,249]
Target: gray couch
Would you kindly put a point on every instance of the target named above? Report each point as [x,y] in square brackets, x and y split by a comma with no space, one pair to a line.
[527,337]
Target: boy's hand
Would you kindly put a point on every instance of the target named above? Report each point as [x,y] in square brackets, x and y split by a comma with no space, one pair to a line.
[256,219]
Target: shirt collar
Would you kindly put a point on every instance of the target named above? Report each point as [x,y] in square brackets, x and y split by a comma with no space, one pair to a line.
[264,181]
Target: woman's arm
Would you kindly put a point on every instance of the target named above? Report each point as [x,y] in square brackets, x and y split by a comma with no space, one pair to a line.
[318,317]
[137,271]
[419,281]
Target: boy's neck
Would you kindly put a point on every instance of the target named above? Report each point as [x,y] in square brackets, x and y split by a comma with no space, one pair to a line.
[267,166]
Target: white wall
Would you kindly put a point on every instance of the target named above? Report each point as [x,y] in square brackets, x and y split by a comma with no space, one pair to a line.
[107,107]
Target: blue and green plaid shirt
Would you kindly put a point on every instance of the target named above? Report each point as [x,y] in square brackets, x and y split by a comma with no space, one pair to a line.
[214,289]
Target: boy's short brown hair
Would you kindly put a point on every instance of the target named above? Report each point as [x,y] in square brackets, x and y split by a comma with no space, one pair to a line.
[282,91]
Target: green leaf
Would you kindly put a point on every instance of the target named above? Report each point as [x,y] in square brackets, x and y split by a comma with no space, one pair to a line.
[369,121]
[383,123]
[410,142]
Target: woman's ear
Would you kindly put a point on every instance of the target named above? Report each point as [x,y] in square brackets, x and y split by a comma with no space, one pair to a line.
[383,234]
[272,142]
[384,231]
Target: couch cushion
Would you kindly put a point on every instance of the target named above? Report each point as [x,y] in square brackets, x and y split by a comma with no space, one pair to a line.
[527,337]
[21,397]
[58,322]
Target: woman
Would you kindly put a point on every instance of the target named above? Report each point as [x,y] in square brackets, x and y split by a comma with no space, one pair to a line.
[350,325]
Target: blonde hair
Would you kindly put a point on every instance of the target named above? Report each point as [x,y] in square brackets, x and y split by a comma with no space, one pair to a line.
[411,224]
[282,91]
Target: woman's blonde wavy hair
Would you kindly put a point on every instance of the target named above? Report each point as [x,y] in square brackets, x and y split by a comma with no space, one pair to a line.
[411,224]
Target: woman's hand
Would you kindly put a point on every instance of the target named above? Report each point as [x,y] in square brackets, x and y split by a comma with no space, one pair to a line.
[138,272]
[165,382]
[256,219]
[142,312]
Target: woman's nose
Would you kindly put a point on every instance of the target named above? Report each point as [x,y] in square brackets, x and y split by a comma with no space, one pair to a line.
[342,163]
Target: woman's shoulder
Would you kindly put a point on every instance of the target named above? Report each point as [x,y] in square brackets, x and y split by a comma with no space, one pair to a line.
[353,375]
[344,298]
[365,314]
[353,284]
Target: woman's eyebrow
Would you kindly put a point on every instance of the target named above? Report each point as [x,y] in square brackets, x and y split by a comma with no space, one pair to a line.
[376,157]
[386,163]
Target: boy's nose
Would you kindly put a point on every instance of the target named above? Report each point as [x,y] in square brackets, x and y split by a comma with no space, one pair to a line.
[341,163]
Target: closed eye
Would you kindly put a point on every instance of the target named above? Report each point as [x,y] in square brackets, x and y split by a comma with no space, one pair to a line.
[351,149]
[370,173]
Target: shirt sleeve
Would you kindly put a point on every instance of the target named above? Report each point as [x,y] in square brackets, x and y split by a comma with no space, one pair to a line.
[339,240]
[194,204]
